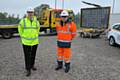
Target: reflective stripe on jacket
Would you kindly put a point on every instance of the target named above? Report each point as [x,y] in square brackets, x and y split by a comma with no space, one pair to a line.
[65,34]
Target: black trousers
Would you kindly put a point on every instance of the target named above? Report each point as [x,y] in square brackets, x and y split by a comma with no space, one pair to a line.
[29,54]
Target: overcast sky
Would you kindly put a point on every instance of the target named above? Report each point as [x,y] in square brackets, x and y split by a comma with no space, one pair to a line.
[20,6]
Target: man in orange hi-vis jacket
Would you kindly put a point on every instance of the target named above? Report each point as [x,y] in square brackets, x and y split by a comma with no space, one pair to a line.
[66,31]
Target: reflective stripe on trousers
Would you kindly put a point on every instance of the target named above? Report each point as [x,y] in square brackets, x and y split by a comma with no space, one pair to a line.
[64,54]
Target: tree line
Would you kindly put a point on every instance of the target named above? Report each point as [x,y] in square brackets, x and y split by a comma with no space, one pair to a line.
[7,19]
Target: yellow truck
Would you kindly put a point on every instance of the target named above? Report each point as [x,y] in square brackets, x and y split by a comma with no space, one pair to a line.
[48,18]
[7,31]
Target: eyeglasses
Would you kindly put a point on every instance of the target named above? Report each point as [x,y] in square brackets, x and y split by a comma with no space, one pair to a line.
[30,12]
[64,16]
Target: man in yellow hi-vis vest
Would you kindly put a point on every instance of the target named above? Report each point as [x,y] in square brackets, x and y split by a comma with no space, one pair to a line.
[29,31]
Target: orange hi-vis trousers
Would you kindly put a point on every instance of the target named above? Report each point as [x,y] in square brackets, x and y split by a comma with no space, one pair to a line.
[64,54]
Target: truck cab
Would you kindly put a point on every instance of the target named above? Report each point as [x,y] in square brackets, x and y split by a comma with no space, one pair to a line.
[48,18]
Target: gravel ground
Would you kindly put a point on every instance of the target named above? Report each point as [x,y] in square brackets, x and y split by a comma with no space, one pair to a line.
[92,59]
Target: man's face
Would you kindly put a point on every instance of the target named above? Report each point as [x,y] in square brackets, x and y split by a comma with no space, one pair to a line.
[30,14]
[64,18]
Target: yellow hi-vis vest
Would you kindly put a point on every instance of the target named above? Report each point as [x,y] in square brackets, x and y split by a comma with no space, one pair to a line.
[29,31]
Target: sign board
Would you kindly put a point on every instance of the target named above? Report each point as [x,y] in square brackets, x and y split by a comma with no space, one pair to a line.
[95,17]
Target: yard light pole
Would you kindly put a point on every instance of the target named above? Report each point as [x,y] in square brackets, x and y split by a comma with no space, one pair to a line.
[55,4]
[113,6]
[62,4]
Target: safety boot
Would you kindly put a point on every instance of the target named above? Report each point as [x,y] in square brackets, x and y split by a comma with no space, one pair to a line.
[67,67]
[28,73]
[34,68]
[59,66]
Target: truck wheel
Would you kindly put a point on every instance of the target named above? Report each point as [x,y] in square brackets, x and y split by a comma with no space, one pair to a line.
[7,35]
[111,41]
[82,35]
[53,31]
[45,31]
[97,36]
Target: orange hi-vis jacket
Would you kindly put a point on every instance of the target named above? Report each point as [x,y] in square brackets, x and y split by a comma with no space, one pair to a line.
[65,34]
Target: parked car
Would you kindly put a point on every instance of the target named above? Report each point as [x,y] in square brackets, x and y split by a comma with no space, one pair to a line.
[114,34]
